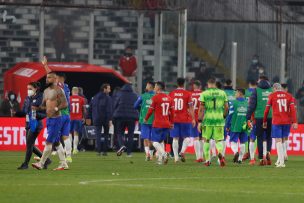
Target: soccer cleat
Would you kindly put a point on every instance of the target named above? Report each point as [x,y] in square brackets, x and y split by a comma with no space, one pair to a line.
[236,157]
[182,157]
[199,160]
[207,163]
[129,155]
[37,158]
[120,151]
[69,159]
[252,162]
[148,158]
[280,166]
[165,159]
[61,167]
[246,156]
[37,165]
[54,153]
[75,151]
[262,162]
[277,163]
[268,160]
[286,158]
[239,162]
[23,166]
[222,160]
[47,163]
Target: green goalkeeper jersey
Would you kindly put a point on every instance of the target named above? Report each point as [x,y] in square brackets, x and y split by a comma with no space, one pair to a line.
[214,101]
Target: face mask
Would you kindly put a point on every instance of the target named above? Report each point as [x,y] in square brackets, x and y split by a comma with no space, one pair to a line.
[254,61]
[128,54]
[261,71]
[30,93]
[12,97]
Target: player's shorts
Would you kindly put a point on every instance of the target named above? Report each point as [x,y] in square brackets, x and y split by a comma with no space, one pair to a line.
[66,125]
[181,130]
[236,136]
[76,126]
[146,131]
[194,132]
[280,131]
[253,133]
[213,132]
[53,129]
[159,134]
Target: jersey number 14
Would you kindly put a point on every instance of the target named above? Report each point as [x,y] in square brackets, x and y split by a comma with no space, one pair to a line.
[282,105]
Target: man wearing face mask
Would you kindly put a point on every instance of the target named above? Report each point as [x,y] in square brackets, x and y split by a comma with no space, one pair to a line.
[128,63]
[255,70]
[10,105]
[33,122]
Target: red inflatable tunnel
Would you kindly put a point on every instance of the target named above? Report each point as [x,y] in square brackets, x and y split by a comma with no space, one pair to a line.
[89,77]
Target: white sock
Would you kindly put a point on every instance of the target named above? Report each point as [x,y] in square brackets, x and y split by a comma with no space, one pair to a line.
[242,151]
[201,148]
[68,147]
[61,155]
[46,153]
[197,149]
[175,149]
[251,150]
[234,147]
[76,140]
[213,147]
[224,148]
[264,148]
[280,152]
[147,151]
[151,153]
[186,142]
[286,148]
[159,148]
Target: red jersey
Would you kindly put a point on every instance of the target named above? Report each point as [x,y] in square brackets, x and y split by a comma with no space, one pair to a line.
[163,108]
[182,100]
[195,95]
[283,108]
[76,106]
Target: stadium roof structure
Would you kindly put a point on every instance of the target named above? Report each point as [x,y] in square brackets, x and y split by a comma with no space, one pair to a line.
[89,77]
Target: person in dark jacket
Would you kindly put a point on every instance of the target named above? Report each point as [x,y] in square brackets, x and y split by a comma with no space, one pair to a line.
[300,103]
[100,112]
[33,122]
[256,69]
[115,95]
[257,105]
[10,105]
[125,116]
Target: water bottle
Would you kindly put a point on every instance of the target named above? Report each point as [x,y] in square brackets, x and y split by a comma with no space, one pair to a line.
[34,114]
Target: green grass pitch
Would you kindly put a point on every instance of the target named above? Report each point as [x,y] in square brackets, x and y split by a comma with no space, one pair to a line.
[90,179]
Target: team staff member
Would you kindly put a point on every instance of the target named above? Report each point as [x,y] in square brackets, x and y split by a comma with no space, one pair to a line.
[100,112]
[33,122]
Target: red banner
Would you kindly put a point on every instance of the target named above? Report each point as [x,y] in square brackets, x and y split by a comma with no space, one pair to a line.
[13,137]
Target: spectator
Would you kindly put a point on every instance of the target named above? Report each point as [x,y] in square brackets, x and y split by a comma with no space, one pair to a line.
[300,103]
[128,63]
[10,105]
[255,70]
[61,37]
[100,112]
[125,116]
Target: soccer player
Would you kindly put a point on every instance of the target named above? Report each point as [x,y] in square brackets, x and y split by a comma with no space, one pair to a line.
[231,98]
[66,121]
[236,123]
[184,116]
[285,139]
[77,106]
[212,112]
[198,144]
[252,85]
[143,102]
[257,105]
[284,114]
[163,108]
[53,101]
